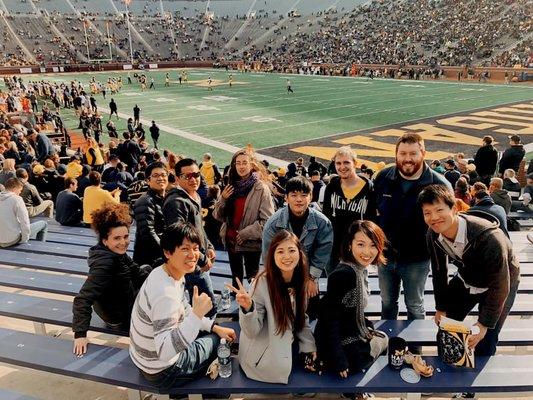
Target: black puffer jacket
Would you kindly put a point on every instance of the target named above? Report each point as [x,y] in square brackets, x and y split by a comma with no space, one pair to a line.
[148,213]
[511,158]
[486,160]
[110,289]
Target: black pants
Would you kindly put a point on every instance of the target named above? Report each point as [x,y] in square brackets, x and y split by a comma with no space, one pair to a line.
[240,261]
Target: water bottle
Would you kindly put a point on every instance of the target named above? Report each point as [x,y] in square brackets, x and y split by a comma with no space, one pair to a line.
[224,359]
[225,299]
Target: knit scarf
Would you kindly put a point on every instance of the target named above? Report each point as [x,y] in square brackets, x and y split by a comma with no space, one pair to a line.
[360,294]
[243,186]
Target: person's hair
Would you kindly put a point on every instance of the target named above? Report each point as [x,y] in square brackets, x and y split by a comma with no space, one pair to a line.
[174,235]
[13,183]
[461,186]
[299,184]
[509,173]
[433,193]
[213,191]
[152,166]
[185,162]
[315,172]
[233,176]
[284,315]
[497,183]
[69,181]
[207,156]
[126,135]
[488,139]
[48,163]
[410,138]
[529,176]
[22,173]
[373,232]
[95,178]
[479,186]
[347,152]
[108,217]
[8,164]
[480,194]
[85,170]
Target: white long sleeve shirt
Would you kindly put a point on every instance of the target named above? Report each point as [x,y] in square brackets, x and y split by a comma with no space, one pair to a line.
[15,219]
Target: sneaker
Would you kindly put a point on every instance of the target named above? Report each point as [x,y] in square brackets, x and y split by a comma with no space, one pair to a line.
[465,395]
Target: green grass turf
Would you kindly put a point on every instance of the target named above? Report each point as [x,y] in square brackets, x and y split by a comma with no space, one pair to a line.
[258,110]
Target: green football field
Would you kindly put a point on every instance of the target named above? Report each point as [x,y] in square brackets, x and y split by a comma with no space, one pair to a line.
[258,110]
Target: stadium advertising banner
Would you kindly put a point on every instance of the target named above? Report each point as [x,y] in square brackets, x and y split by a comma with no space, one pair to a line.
[127,66]
[25,71]
[153,66]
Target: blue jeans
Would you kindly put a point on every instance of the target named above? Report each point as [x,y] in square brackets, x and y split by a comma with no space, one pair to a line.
[461,302]
[203,281]
[191,364]
[38,230]
[413,277]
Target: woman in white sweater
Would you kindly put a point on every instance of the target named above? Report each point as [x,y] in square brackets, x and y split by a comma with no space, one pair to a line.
[172,342]
[273,315]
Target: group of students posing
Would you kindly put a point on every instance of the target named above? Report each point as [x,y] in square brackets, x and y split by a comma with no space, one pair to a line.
[168,307]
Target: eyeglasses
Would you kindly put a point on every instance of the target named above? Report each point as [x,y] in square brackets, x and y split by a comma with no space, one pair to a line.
[157,176]
[190,175]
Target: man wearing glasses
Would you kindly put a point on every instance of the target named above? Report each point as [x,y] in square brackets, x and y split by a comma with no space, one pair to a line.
[148,214]
[183,203]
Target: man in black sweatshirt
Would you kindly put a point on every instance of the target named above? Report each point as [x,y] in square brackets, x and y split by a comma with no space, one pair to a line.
[488,272]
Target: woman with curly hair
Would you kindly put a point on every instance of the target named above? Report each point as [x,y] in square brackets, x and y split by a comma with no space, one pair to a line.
[243,207]
[113,280]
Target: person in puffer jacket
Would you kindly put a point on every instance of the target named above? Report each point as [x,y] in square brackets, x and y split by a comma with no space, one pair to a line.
[114,279]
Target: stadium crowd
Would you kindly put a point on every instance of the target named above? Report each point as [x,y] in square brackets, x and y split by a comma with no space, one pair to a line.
[302,222]
[393,32]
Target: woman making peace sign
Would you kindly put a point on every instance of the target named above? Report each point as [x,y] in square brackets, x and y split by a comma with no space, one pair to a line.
[274,313]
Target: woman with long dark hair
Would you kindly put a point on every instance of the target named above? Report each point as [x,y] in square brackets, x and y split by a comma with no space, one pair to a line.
[273,315]
[243,207]
[346,340]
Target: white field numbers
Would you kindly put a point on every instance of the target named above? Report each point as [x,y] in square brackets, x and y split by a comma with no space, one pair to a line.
[203,107]
[260,119]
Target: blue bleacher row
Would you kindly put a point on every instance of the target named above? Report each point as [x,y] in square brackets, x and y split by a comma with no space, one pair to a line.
[35,266]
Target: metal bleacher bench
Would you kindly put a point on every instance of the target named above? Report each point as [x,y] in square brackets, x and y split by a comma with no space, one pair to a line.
[9,395]
[111,365]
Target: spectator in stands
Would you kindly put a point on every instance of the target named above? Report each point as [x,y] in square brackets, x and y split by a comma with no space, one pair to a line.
[183,204]
[8,170]
[462,191]
[138,188]
[32,199]
[488,271]
[318,187]
[484,203]
[148,214]
[296,168]
[74,167]
[95,198]
[41,143]
[500,195]
[310,226]
[346,340]
[83,180]
[129,152]
[397,188]
[348,197]
[113,280]
[486,159]
[69,206]
[451,174]
[525,203]
[513,155]
[172,340]
[315,165]
[113,109]
[273,316]
[16,227]
[111,129]
[511,184]
[209,170]
[243,207]
[94,156]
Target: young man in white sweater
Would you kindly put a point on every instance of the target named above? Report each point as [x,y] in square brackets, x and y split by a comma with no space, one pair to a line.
[16,227]
[172,341]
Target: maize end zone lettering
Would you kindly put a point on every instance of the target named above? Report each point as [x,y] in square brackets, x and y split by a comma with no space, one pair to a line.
[443,135]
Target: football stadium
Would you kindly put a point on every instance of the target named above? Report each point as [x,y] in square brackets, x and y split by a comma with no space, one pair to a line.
[250,199]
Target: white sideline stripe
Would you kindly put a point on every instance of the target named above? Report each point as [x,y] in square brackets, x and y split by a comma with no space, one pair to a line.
[200,139]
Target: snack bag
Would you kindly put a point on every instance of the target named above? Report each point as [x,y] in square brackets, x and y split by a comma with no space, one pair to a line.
[452,343]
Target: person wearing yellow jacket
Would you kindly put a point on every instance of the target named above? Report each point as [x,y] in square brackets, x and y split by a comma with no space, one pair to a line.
[94,197]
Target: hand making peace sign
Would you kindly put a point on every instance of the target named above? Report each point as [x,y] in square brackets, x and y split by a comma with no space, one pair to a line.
[242,296]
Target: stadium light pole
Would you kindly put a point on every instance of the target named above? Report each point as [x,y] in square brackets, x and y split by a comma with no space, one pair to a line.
[109,40]
[85,23]
[127,2]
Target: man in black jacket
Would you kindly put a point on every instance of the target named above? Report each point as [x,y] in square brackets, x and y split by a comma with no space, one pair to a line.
[513,155]
[488,272]
[183,203]
[148,214]
[486,159]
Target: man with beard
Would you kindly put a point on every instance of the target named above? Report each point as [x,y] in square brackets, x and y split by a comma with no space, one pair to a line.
[397,188]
